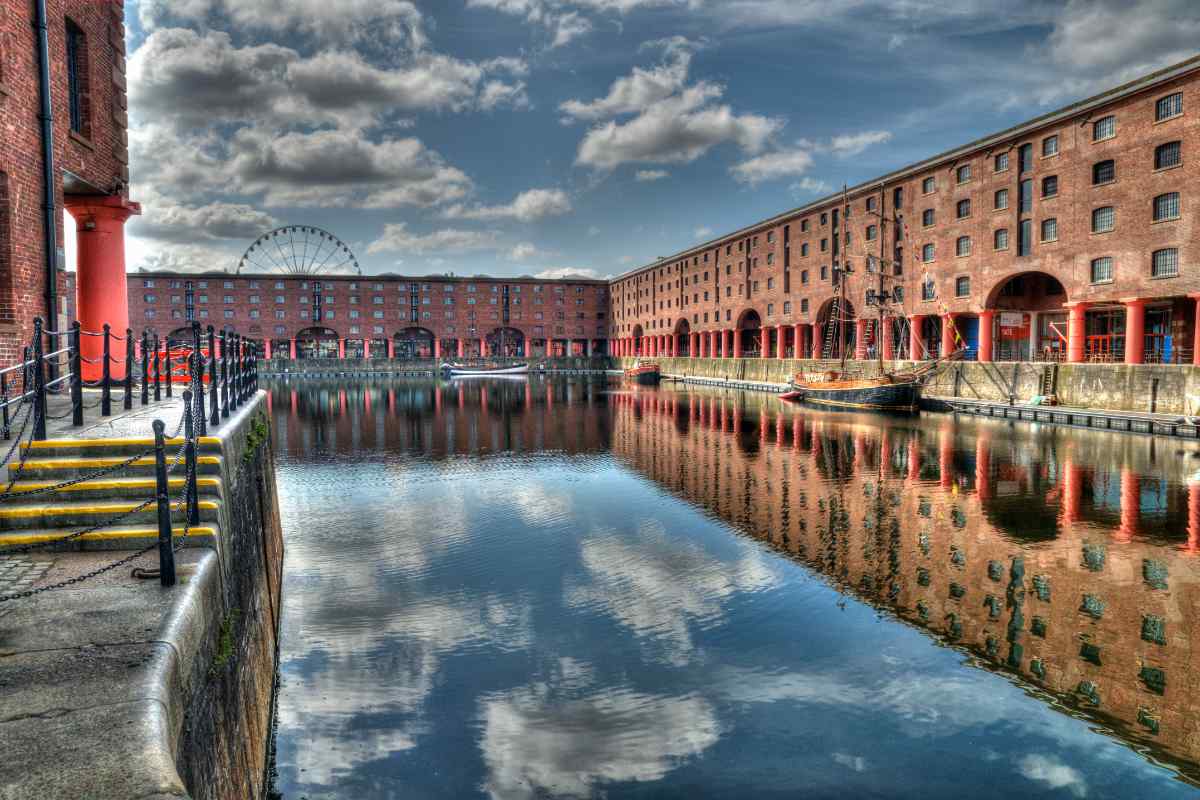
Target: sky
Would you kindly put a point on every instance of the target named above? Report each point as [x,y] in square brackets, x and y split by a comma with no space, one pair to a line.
[551,137]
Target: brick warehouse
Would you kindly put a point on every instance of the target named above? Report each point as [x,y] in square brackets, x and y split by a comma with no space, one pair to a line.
[1059,239]
[87,170]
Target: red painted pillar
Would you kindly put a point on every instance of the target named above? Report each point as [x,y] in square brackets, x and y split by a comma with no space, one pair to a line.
[948,341]
[987,322]
[437,349]
[860,339]
[293,349]
[366,348]
[462,348]
[341,348]
[1196,331]
[101,292]
[916,348]
[1072,491]
[817,345]
[527,347]
[798,350]
[737,343]
[266,348]
[781,333]
[1076,332]
[1193,528]
[1135,330]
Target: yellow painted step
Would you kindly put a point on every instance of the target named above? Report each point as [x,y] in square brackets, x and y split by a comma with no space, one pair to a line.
[47,509]
[50,444]
[45,537]
[105,484]
[100,462]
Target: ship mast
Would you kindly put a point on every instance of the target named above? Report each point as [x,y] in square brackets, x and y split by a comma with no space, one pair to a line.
[879,334]
[845,270]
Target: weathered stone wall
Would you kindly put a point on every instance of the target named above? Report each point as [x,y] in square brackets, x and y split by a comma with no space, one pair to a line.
[1156,388]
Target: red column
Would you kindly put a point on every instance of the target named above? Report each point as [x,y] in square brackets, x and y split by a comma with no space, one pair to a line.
[101,293]
[888,335]
[366,347]
[948,344]
[860,339]
[293,348]
[915,347]
[1131,504]
[1196,331]
[816,341]
[987,321]
[781,333]
[1135,330]
[341,348]
[1076,332]
[798,334]
[1193,527]
[266,348]
[462,348]
[437,349]
[737,343]
[1072,491]
[527,348]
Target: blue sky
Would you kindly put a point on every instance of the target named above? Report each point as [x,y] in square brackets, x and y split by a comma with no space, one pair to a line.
[516,137]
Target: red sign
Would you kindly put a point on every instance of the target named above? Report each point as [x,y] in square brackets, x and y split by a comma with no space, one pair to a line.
[1014,325]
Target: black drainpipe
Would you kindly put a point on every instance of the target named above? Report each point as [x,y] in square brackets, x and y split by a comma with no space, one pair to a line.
[49,204]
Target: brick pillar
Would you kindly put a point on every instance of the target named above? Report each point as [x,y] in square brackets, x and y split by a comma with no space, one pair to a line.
[887,333]
[916,349]
[987,320]
[860,339]
[948,329]
[737,343]
[1076,332]
[1135,331]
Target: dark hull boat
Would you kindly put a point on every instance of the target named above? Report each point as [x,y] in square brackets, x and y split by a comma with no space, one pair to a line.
[644,374]
[875,394]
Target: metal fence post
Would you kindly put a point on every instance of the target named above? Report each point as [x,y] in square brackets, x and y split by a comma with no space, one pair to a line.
[106,379]
[39,383]
[214,413]
[189,450]
[76,344]
[6,431]
[145,368]
[170,369]
[224,373]
[198,379]
[235,367]
[166,550]
[128,404]
[157,371]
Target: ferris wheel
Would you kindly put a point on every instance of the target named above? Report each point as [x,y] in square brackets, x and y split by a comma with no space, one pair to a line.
[299,250]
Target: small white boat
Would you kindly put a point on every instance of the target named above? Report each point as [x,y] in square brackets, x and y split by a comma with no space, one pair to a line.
[459,371]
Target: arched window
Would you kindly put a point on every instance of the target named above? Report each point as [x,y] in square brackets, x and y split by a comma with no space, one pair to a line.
[1168,155]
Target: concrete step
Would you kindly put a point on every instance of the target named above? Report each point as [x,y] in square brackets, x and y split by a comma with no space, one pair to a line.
[122,537]
[124,446]
[82,514]
[60,468]
[117,488]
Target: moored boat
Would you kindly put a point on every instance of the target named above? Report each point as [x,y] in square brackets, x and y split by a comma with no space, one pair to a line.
[461,371]
[646,373]
[883,393]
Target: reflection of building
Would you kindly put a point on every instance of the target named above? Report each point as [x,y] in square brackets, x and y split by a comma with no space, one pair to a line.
[439,421]
[1066,237]
[1081,580]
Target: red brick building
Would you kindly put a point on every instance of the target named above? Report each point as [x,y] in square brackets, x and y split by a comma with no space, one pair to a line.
[84,49]
[382,315]
[1066,237]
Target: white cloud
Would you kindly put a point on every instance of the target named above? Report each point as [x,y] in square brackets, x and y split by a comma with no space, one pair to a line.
[593,231]
[523,252]
[770,166]
[1054,773]
[855,143]
[809,186]
[851,762]
[529,206]
[650,175]
[566,20]
[166,220]
[397,237]
[569,272]
[635,92]
[703,232]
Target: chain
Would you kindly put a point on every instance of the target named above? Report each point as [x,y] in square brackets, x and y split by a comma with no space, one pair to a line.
[78,578]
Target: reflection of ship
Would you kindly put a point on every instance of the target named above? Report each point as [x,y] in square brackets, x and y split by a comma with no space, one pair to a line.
[646,373]
[460,371]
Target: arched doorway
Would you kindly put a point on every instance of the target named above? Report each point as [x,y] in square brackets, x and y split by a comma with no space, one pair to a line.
[1030,322]
[683,338]
[506,343]
[637,340]
[317,342]
[835,326]
[413,343]
[750,330]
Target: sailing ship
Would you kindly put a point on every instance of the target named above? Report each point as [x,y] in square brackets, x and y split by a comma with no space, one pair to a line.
[886,391]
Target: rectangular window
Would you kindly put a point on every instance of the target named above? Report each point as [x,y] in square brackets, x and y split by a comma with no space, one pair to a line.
[824,245]
[1025,238]
[803,277]
[1165,263]
[1001,201]
[1049,230]
[962,286]
[1050,186]
[963,209]
[1104,172]
[1104,128]
[870,203]
[1001,164]
[962,247]
[870,233]
[77,78]
[1000,239]
[1169,106]
[1103,219]
[787,307]
[928,185]
[1025,201]
[928,292]
[963,173]
[1168,155]
[1102,269]
[804,226]
[927,217]
[1025,158]
[804,306]
[1166,206]
[927,252]
[1050,146]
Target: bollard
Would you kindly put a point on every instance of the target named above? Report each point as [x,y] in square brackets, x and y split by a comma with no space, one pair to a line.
[39,383]
[224,374]
[128,404]
[214,413]
[166,550]
[106,379]
[76,344]
[145,368]
[189,451]
[198,380]
[157,371]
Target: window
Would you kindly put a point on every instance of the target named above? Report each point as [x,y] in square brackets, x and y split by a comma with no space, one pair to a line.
[927,217]
[1001,162]
[1103,219]
[824,218]
[1049,146]
[1104,128]
[803,276]
[1025,158]
[770,309]
[1025,237]
[963,173]
[963,209]
[1168,107]
[1166,206]
[148,298]
[1026,196]
[962,286]
[804,306]
[1050,230]
[787,306]
[1102,269]
[870,204]
[927,252]
[1001,201]
[77,79]
[1165,263]
[928,185]
[871,233]
[228,315]
[228,298]
[1050,186]
[1104,172]
[962,247]
[804,226]
[1168,155]
[804,250]
[824,247]
[928,292]
[1000,239]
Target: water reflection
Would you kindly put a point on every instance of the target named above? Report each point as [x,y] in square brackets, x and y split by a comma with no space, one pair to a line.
[566,588]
